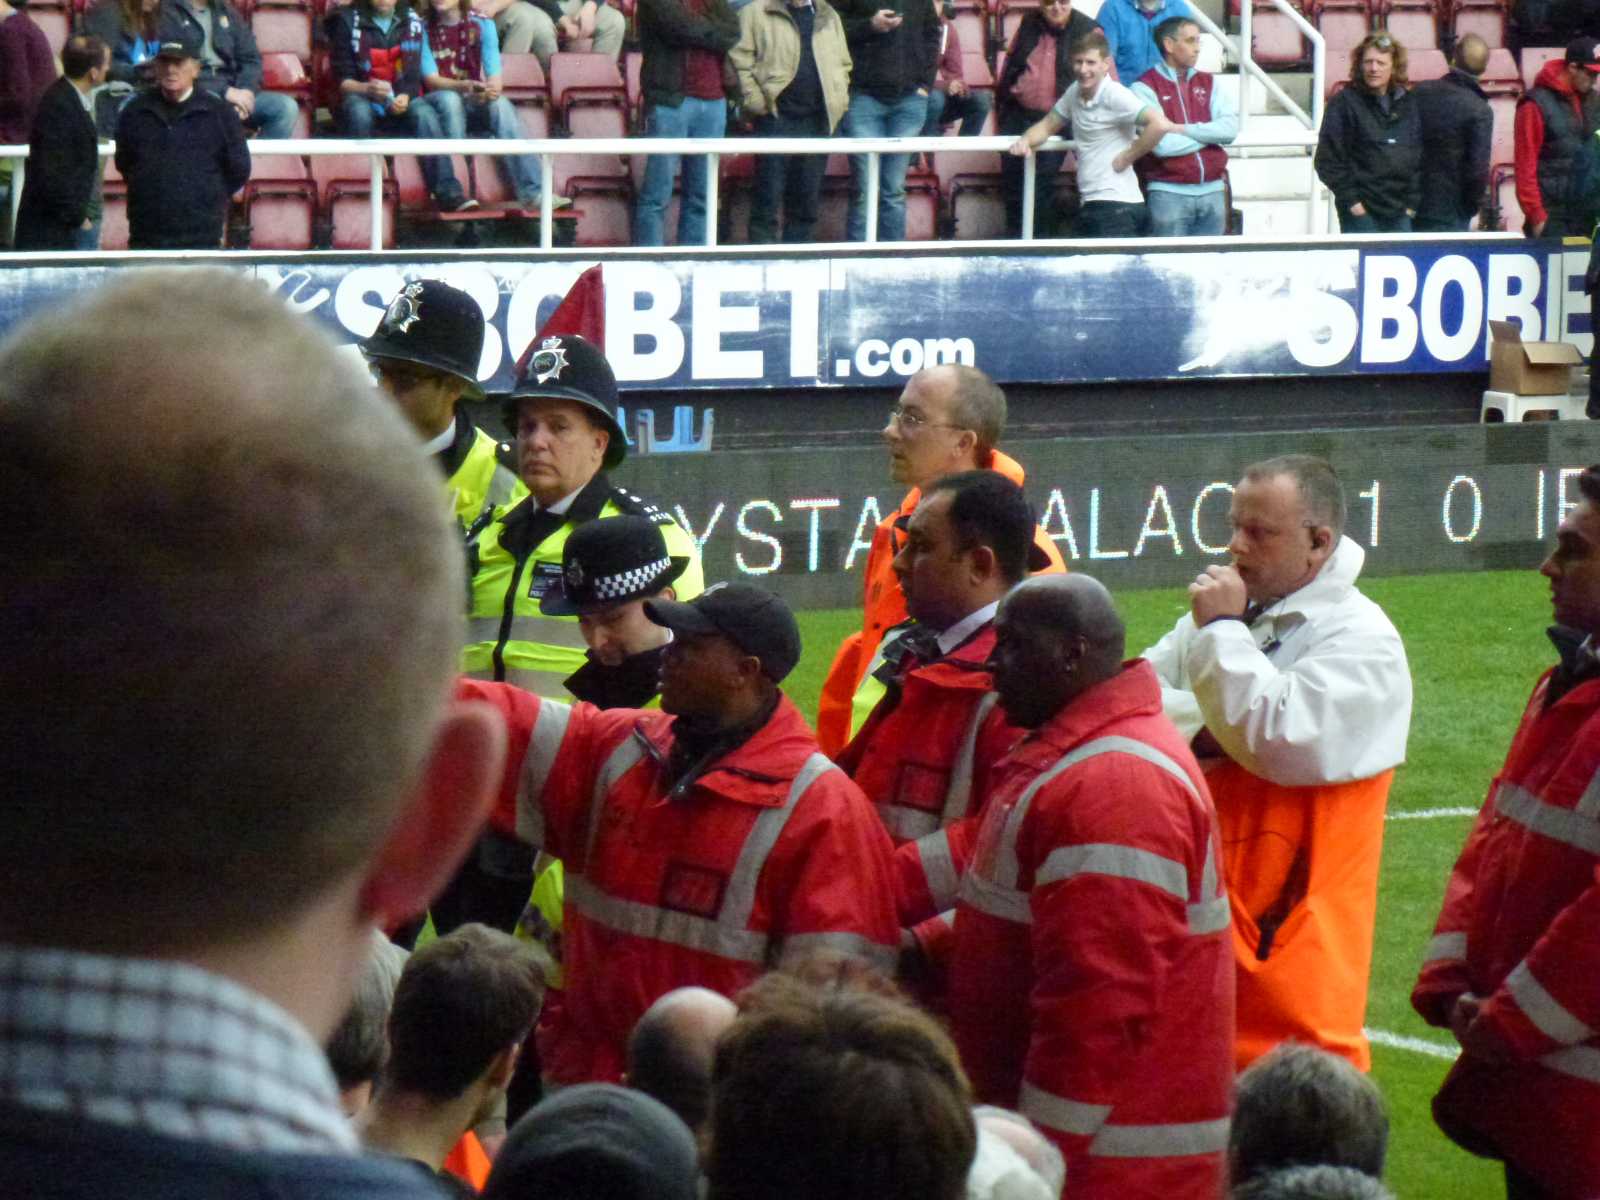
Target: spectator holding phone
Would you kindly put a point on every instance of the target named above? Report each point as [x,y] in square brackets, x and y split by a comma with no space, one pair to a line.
[461,69]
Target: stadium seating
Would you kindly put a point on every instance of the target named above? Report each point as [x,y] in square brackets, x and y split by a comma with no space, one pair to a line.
[1343,24]
[280,203]
[922,204]
[1486,18]
[113,209]
[1534,59]
[56,21]
[283,26]
[283,71]
[522,79]
[972,29]
[1010,14]
[576,77]
[1275,40]
[970,181]
[1412,23]
[1422,65]
[975,71]
[345,185]
[1503,185]
[737,178]
[834,207]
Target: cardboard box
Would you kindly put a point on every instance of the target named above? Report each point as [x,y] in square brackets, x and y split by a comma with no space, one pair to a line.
[1528,368]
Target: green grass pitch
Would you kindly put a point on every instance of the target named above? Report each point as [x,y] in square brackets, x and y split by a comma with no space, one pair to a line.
[1476,644]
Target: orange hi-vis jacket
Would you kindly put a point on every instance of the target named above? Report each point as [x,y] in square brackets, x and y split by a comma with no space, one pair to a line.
[1092,981]
[769,853]
[840,711]
[925,758]
[1520,928]
[1311,705]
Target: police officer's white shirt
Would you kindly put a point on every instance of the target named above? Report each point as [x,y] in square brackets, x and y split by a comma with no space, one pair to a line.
[441,443]
[560,506]
[1103,126]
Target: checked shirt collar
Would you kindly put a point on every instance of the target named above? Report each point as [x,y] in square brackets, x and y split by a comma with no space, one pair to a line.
[164,1048]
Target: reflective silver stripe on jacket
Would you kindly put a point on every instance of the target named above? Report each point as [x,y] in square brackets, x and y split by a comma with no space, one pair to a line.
[938,868]
[999,896]
[797,945]
[1058,1112]
[1564,825]
[728,934]
[1212,915]
[912,824]
[1123,862]
[1548,1015]
[1161,1141]
[544,631]
[620,761]
[549,730]
[1581,1062]
[1446,947]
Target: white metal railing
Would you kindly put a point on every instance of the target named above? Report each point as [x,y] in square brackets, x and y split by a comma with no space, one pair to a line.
[548,149]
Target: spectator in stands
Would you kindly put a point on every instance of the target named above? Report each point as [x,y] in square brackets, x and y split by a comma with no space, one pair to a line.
[1038,69]
[1312,1183]
[1555,119]
[1457,130]
[27,68]
[1114,129]
[182,151]
[61,197]
[1093,908]
[951,99]
[596,1141]
[1131,26]
[792,63]
[130,28]
[1512,968]
[278,767]
[1369,153]
[461,70]
[672,1048]
[894,51]
[377,50]
[545,26]
[683,43]
[837,1092]
[359,1046]
[464,1005]
[230,64]
[1298,1105]
[1186,193]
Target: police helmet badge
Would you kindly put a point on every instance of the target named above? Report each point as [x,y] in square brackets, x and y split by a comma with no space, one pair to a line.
[574,576]
[404,310]
[548,361]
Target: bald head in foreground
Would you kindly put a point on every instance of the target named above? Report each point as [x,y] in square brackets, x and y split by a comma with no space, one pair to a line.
[231,609]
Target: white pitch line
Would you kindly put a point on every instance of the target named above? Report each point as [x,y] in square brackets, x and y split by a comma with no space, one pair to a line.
[1399,1041]
[1429,814]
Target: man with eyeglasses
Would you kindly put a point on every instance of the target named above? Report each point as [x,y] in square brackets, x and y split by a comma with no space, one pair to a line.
[948,420]
[1295,689]
[425,354]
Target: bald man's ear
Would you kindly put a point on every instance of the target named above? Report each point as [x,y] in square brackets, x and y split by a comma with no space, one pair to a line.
[443,818]
[1322,538]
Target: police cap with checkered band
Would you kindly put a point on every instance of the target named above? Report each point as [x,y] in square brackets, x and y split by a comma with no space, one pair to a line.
[567,367]
[433,325]
[611,561]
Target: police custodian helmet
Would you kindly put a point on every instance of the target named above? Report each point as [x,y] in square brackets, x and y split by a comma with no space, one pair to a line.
[433,325]
[566,367]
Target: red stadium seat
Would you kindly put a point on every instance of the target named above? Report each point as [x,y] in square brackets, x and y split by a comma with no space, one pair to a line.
[1343,24]
[414,196]
[1412,23]
[534,119]
[587,76]
[975,71]
[1275,40]
[972,28]
[285,71]
[56,22]
[283,28]
[1486,18]
[1504,107]
[922,205]
[604,216]
[1422,65]
[344,181]
[1534,59]
[1502,75]
[280,203]
[522,79]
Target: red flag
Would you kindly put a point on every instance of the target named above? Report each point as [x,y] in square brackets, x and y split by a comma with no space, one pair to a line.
[582,312]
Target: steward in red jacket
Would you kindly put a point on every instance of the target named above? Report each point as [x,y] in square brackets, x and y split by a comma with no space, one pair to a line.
[1514,965]
[1092,981]
[925,753]
[701,847]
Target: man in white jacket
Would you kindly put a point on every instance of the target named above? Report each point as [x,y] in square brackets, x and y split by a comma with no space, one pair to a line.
[1296,689]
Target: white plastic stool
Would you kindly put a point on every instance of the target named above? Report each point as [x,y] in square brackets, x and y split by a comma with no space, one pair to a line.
[1512,407]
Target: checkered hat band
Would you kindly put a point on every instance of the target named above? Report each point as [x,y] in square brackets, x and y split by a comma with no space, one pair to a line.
[629,583]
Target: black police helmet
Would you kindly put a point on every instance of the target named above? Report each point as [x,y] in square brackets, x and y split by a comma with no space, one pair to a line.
[436,326]
[566,367]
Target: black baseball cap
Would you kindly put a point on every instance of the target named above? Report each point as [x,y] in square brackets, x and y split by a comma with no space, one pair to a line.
[1584,52]
[753,619]
[179,41]
[611,561]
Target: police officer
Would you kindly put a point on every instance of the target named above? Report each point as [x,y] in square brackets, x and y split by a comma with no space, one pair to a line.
[425,353]
[562,410]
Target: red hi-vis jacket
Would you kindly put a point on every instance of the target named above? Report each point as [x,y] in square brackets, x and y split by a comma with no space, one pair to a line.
[1092,981]
[772,852]
[1521,927]
[926,762]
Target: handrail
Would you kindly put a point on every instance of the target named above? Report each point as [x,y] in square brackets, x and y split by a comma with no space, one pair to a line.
[548,149]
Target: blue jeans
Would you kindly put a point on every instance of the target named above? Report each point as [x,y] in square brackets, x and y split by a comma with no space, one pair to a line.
[497,118]
[87,239]
[1109,219]
[1187,214]
[358,120]
[273,116]
[970,108]
[1367,223]
[691,119]
[874,118]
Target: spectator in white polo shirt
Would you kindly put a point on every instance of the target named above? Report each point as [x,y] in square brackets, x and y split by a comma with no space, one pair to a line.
[1113,129]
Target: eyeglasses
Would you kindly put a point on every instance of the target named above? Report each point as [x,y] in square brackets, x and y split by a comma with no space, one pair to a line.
[911,422]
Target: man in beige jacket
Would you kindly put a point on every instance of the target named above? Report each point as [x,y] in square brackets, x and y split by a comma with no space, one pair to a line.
[793,68]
